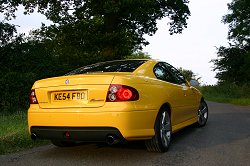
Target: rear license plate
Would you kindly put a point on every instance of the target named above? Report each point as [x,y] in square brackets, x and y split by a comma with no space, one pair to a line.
[68,96]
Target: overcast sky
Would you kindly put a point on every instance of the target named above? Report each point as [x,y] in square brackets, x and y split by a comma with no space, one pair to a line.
[196,46]
[192,50]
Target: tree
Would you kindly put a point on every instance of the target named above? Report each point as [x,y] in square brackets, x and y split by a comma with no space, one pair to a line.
[232,64]
[138,55]
[109,28]
[7,32]
[239,21]
[188,74]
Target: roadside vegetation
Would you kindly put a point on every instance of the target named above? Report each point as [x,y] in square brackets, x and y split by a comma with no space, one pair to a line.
[232,65]
[227,93]
[14,134]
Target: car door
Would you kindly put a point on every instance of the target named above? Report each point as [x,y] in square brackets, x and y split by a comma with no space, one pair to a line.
[189,95]
[175,92]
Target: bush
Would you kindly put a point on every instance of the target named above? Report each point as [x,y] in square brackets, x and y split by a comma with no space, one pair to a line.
[229,93]
[15,89]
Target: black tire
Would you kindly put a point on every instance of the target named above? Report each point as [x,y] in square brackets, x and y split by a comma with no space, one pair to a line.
[202,114]
[163,132]
[63,143]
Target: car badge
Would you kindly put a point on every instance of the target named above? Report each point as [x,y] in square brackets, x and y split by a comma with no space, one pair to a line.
[67,81]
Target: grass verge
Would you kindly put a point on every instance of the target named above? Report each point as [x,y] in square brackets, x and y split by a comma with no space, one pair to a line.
[14,134]
[227,93]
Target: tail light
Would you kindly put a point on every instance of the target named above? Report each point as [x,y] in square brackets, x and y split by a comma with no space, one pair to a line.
[118,93]
[33,99]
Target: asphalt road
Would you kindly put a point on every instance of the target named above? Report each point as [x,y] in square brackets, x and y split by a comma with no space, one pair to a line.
[225,140]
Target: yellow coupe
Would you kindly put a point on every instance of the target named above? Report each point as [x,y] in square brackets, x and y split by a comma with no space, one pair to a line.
[115,101]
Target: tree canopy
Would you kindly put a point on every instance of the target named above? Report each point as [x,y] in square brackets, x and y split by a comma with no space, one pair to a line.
[110,29]
[7,32]
[232,64]
[189,74]
[239,21]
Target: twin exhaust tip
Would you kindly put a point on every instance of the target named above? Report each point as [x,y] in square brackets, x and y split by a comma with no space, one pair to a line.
[110,139]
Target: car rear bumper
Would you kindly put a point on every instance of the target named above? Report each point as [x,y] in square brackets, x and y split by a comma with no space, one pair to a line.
[85,134]
[91,126]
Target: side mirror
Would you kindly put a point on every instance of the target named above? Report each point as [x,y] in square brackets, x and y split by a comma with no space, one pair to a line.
[194,83]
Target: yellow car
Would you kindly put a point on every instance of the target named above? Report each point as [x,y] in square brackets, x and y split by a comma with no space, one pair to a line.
[113,102]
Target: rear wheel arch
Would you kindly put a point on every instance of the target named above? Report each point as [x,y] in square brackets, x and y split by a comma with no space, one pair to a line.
[202,99]
[167,107]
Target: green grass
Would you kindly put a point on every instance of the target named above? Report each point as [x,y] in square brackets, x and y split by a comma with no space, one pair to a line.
[14,134]
[227,93]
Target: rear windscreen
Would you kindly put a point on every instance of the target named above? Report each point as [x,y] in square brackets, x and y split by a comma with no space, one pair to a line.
[110,66]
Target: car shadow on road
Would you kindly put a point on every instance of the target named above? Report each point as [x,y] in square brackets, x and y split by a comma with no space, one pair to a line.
[191,138]
[134,148]
[140,145]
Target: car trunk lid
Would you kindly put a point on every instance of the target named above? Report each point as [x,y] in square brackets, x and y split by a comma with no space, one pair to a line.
[87,90]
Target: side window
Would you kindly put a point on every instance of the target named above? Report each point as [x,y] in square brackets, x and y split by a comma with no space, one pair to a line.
[178,76]
[162,73]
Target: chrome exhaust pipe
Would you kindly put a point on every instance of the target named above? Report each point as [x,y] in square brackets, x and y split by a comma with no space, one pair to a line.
[33,136]
[111,140]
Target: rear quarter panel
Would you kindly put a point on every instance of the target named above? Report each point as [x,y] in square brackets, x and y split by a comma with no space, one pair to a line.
[153,93]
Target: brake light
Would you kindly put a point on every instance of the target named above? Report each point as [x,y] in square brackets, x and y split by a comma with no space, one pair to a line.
[33,99]
[121,93]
